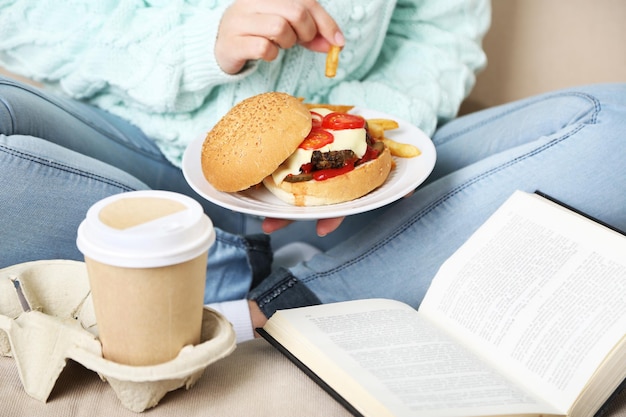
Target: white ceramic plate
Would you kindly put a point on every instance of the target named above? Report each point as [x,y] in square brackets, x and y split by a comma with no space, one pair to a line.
[405,177]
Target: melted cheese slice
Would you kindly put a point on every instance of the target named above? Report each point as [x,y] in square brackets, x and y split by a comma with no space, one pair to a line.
[352,139]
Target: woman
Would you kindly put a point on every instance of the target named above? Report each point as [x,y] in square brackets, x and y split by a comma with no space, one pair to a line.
[128,86]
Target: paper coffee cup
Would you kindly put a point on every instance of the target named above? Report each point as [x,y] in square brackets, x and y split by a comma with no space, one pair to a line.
[146,257]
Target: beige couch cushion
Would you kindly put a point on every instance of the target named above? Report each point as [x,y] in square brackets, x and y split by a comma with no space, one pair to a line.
[255,380]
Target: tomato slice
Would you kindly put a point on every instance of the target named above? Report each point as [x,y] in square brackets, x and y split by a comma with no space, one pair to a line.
[325,174]
[307,168]
[316,139]
[316,119]
[341,121]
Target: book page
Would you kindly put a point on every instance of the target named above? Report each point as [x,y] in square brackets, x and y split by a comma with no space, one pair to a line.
[385,347]
[538,289]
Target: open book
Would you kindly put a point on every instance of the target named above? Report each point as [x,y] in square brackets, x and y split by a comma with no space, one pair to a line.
[528,317]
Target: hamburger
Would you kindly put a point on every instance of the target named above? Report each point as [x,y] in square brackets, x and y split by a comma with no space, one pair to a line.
[305,157]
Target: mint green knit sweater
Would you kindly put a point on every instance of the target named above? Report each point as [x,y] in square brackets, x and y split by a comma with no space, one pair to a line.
[152,62]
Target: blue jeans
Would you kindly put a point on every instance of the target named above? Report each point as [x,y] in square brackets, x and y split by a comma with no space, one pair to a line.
[569,144]
[58,157]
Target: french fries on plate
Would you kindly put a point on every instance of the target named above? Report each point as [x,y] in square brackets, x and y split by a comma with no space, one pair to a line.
[377,129]
[402,150]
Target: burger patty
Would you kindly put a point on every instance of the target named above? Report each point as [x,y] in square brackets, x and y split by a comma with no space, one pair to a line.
[324,160]
[332,159]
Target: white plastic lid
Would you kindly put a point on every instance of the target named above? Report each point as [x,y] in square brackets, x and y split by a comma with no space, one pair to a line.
[145,229]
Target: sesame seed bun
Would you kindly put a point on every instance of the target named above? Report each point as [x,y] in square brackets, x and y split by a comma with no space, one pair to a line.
[253,139]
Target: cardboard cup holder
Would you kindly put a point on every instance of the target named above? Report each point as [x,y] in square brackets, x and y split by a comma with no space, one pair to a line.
[47,318]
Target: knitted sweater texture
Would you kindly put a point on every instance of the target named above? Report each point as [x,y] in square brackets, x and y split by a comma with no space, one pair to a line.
[151,62]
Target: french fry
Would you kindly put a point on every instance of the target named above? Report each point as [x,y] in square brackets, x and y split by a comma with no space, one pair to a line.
[332,61]
[385,124]
[377,127]
[376,131]
[402,150]
[339,108]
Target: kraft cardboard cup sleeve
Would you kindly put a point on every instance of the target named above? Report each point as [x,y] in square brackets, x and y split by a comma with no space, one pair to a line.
[146,257]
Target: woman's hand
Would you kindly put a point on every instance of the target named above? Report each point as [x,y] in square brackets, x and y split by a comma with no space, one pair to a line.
[324,226]
[254,29]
